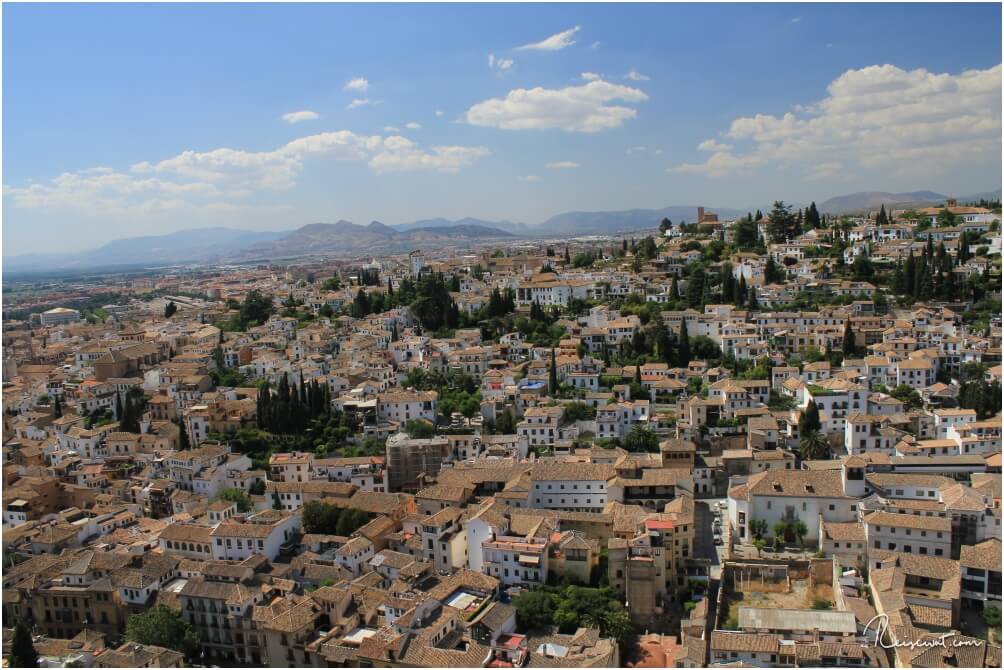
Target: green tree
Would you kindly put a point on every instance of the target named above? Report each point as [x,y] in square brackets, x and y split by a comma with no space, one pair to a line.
[800,530]
[641,439]
[992,616]
[419,428]
[759,543]
[908,395]
[780,529]
[813,446]
[552,375]
[809,421]
[237,496]
[683,346]
[781,223]
[57,408]
[849,346]
[945,218]
[535,609]
[170,309]
[22,649]
[163,627]
[747,234]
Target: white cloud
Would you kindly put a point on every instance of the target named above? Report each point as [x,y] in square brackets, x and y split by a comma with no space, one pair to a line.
[642,149]
[554,42]
[634,75]
[391,129]
[357,84]
[713,145]
[529,178]
[595,45]
[297,117]
[797,19]
[500,63]
[412,125]
[358,102]
[590,76]
[562,165]
[720,164]
[584,108]
[439,112]
[880,118]
[201,178]
[400,153]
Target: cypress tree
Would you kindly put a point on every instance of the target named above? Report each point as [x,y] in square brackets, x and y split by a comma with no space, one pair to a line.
[57,408]
[849,347]
[751,303]
[183,442]
[683,350]
[552,381]
[22,650]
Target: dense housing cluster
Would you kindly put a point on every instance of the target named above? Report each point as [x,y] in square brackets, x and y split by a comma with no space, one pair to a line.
[717,443]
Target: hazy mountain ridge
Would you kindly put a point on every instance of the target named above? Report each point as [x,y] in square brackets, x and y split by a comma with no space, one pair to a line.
[864,201]
[347,238]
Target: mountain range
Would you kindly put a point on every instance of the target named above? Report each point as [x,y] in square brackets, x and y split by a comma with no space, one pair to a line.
[343,238]
[865,201]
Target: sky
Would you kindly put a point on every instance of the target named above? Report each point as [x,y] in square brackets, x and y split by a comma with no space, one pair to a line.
[126,120]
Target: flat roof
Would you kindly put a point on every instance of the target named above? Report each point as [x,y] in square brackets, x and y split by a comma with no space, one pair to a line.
[774,619]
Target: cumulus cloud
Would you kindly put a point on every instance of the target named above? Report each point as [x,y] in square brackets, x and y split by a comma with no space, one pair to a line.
[562,165]
[555,42]
[357,84]
[413,125]
[399,153]
[439,112]
[880,118]
[590,76]
[634,75]
[529,178]
[201,177]
[391,129]
[500,63]
[584,108]
[358,102]
[713,145]
[642,149]
[297,117]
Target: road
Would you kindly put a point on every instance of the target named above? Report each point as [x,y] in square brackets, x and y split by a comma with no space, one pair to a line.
[704,547]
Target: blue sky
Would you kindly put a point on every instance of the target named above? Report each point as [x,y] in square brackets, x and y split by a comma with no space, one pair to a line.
[124,120]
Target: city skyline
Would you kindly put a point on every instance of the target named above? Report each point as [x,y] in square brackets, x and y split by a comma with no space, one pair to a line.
[268,118]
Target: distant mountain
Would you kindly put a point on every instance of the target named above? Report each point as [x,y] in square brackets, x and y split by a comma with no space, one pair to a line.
[866,201]
[582,223]
[346,238]
[986,195]
[507,226]
[194,245]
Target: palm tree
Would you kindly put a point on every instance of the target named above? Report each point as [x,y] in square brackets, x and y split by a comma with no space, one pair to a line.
[780,530]
[800,531]
[814,446]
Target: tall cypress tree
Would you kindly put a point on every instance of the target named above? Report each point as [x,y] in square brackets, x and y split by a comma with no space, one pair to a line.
[683,350]
[22,649]
[849,346]
[552,380]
